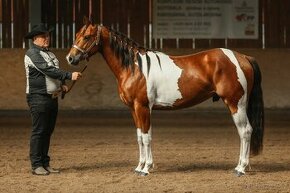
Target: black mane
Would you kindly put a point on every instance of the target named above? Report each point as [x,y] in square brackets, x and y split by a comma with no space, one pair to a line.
[125,48]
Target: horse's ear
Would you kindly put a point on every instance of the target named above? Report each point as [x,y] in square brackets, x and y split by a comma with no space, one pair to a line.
[86,21]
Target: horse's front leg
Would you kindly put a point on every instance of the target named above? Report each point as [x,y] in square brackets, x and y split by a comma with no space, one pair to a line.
[142,158]
[146,139]
[141,116]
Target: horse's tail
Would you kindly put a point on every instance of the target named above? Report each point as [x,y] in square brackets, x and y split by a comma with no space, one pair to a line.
[255,110]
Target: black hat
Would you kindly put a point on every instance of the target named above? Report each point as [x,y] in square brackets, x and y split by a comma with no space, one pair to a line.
[37,30]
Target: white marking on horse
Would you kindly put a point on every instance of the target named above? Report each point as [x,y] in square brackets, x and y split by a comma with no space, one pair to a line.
[162,83]
[142,158]
[241,76]
[145,152]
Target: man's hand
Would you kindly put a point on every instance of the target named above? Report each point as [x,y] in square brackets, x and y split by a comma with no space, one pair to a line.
[64,88]
[76,75]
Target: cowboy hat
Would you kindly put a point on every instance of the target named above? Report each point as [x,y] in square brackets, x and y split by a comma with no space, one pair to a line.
[38,30]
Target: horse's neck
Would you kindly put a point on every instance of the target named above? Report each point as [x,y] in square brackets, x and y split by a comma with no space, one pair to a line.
[111,59]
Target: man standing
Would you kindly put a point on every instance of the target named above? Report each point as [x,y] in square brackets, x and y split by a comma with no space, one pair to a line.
[44,81]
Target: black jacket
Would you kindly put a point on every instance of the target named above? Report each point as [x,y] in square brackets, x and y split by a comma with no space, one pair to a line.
[43,75]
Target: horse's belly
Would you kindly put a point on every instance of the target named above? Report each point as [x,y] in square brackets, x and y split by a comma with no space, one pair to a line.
[181,103]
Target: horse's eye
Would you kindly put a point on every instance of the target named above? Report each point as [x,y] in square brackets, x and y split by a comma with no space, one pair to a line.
[86,37]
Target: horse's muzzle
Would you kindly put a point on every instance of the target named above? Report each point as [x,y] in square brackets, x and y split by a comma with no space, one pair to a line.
[73,60]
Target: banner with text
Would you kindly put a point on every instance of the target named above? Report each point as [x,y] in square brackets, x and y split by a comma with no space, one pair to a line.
[210,19]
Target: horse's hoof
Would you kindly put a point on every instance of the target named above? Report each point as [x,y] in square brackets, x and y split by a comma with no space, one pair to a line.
[137,172]
[143,174]
[239,174]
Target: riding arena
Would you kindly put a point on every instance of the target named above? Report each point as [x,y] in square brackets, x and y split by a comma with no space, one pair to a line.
[155,110]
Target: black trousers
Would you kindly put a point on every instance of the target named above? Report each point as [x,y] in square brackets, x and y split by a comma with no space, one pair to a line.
[43,110]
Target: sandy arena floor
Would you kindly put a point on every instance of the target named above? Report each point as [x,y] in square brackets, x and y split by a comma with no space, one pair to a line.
[192,151]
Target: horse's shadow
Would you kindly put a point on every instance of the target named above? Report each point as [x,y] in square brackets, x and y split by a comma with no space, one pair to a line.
[253,169]
[197,167]
[96,166]
[271,167]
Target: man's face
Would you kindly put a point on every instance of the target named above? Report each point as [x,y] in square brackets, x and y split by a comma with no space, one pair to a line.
[42,40]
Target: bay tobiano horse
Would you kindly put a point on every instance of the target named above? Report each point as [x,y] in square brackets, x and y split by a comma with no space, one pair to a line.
[149,80]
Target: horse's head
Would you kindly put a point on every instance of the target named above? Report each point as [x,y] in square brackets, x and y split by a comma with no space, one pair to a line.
[86,43]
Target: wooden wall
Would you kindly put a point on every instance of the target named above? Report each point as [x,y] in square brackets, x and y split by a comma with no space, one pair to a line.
[13,15]
[66,16]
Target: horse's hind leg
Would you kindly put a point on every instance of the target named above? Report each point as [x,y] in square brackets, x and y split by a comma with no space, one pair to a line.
[245,130]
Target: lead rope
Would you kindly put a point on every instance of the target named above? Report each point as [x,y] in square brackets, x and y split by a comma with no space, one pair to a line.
[73,83]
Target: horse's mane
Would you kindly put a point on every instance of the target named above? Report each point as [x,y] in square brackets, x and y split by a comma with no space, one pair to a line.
[125,49]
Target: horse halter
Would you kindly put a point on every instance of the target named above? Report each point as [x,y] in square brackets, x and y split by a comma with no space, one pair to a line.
[85,55]
[94,43]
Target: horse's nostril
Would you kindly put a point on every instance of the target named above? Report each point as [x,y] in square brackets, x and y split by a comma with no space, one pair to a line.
[69,59]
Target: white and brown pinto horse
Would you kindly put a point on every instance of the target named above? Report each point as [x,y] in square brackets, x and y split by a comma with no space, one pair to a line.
[150,80]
